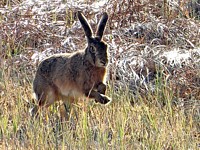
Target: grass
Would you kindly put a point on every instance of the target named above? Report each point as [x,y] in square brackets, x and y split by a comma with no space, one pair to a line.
[147,121]
[147,125]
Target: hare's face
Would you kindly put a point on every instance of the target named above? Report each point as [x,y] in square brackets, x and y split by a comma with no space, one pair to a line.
[97,49]
[98,52]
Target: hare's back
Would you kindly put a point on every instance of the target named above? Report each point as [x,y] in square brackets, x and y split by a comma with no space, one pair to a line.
[50,65]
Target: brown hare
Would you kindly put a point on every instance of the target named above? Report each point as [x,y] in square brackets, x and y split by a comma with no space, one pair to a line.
[67,77]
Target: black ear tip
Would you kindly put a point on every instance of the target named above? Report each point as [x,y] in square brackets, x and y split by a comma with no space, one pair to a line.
[105,14]
[79,14]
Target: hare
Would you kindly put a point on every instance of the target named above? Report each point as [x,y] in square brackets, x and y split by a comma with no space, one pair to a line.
[67,76]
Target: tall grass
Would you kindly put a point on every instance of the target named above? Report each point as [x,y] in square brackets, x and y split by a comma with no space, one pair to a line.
[153,122]
[147,125]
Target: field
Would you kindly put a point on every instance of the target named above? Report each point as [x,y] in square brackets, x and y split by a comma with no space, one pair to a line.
[154,75]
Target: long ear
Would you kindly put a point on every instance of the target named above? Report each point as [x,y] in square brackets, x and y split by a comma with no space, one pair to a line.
[85,25]
[102,25]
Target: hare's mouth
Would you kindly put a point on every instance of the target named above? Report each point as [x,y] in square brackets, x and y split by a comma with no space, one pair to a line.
[101,63]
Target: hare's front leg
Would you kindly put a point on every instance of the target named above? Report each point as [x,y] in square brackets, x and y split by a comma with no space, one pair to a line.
[67,108]
[101,98]
[101,88]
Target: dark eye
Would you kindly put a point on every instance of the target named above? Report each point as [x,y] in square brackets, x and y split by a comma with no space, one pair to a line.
[92,49]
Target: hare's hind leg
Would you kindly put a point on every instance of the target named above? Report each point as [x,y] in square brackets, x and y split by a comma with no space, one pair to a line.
[45,95]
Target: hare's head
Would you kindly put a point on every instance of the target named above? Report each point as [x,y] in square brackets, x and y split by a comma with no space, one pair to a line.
[96,51]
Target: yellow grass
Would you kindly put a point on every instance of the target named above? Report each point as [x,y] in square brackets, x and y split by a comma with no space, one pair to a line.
[144,121]
[116,126]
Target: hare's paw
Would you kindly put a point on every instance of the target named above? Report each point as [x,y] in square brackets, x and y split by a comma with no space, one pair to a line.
[33,111]
[103,99]
[101,88]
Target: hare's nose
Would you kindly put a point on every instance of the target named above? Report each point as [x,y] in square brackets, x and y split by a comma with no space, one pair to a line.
[104,62]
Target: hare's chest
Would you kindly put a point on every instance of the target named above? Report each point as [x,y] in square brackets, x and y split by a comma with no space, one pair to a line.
[71,91]
[98,75]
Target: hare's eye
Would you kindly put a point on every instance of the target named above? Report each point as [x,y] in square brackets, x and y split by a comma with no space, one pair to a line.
[92,49]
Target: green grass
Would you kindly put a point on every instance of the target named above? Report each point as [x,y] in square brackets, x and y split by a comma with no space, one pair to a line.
[119,125]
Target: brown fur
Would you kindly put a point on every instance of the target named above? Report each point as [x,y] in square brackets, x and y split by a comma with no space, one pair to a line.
[70,76]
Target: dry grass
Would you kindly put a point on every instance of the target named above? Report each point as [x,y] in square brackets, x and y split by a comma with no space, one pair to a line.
[147,125]
[155,98]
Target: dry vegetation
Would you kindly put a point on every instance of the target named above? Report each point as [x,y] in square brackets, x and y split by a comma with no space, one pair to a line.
[154,77]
